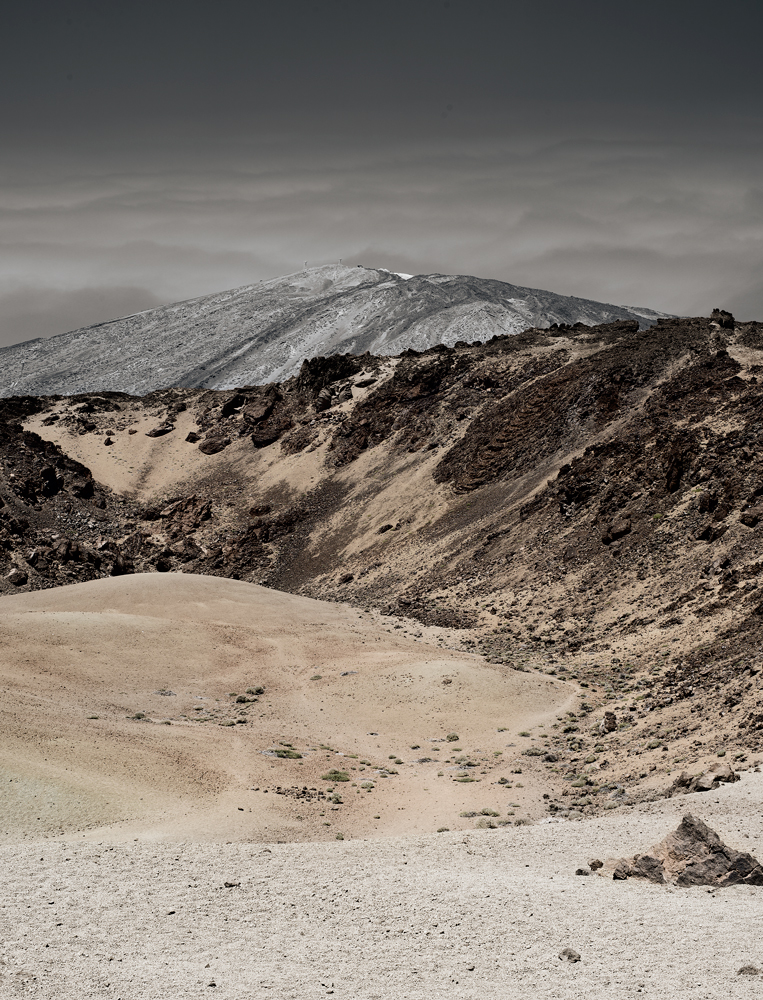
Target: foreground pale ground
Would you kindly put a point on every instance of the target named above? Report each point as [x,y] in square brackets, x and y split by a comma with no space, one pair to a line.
[120,833]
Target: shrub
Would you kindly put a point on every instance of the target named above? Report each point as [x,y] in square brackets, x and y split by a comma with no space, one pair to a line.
[452,737]
[442,829]
[285,753]
[335,775]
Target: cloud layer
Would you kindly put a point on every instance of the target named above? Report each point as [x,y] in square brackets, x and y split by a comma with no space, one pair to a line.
[153,152]
[676,226]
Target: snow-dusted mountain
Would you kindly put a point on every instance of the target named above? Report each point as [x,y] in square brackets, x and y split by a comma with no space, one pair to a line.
[262,333]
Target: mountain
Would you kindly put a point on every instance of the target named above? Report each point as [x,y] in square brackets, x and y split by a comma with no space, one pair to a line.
[263,332]
[584,502]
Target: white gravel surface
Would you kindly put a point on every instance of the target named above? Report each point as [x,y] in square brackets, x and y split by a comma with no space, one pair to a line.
[460,915]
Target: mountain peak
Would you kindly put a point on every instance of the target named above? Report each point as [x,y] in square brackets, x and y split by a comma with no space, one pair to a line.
[263,332]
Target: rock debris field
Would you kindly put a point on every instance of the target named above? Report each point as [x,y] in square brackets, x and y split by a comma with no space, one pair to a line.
[459,915]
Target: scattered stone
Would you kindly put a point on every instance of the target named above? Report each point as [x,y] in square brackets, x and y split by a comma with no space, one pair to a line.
[213,445]
[608,724]
[705,782]
[752,516]
[160,431]
[569,955]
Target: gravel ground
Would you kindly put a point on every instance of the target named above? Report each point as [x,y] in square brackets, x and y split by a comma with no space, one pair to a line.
[460,915]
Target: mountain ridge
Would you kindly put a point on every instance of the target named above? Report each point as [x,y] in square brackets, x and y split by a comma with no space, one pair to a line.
[263,332]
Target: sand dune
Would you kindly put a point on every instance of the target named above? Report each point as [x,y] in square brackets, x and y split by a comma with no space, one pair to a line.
[119,711]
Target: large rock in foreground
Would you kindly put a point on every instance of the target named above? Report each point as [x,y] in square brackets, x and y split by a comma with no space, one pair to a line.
[691,855]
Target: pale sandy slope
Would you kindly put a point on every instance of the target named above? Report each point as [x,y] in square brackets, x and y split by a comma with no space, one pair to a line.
[78,663]
[130,902]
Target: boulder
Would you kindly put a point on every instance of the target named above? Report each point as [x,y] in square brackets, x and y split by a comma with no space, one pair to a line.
[691,855]
[159,431]
[608,724]
[211,445]
[705,782]
[752,516]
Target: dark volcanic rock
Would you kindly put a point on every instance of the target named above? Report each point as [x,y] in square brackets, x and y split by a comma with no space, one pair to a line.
[692,855]
[160,431]
[705,782]
[213,444]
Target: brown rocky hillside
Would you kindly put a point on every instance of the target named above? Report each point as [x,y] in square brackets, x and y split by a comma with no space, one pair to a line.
[583,500]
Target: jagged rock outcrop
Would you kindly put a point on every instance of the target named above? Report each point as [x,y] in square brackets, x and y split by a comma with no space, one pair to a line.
[691,855]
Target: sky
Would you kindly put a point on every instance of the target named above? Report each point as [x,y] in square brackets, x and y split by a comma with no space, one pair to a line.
[155,151]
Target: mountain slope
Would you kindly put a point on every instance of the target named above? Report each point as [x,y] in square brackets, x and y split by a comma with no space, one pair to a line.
[263,332]
[586,500]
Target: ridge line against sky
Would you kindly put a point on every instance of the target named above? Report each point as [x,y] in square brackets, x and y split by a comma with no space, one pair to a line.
[158,152]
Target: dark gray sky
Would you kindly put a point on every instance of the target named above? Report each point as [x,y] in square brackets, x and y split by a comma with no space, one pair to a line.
[157,151]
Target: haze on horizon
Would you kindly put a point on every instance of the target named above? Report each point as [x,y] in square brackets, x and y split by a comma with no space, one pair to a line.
[154,153]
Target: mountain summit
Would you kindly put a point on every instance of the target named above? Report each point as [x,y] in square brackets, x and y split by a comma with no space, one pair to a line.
[263,332]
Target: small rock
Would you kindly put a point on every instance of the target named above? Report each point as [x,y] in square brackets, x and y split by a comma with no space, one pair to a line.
[192,437]
[213,445]
[569,955]
[17,577]
[582,871]
[160,431]
[608,724]
[751,517]
[595,865]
